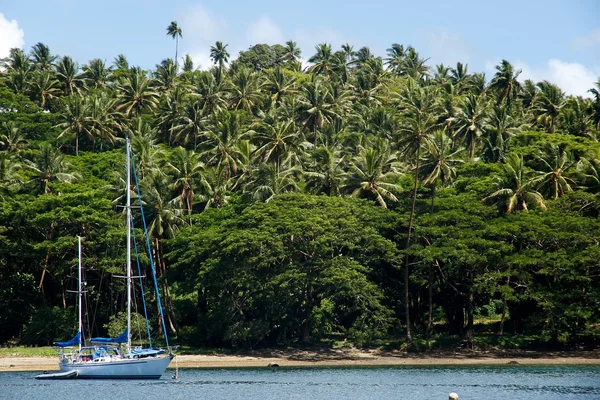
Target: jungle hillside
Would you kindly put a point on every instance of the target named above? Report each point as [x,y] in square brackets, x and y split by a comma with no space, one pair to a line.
[354,198]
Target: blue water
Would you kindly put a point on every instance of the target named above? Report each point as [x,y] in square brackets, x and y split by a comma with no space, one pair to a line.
[489,383]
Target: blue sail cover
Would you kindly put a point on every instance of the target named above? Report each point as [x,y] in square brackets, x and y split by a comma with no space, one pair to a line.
[122,338]
[74,341]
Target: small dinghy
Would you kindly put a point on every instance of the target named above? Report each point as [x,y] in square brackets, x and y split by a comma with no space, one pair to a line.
[57,375]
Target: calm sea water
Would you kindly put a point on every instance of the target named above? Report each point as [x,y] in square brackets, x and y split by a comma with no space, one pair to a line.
[430,383]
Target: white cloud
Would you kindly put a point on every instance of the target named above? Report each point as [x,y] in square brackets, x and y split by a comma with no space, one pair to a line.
[573,78]
[264,31]
[11,35]
[585,42]
[447,47]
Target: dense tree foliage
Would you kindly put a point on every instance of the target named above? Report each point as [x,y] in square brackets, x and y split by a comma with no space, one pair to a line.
[360,197]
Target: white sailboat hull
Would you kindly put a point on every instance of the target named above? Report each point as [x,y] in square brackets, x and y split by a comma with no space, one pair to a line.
[134,368]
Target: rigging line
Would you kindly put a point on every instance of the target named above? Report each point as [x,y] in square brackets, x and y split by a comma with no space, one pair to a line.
[137,259]
[137,187]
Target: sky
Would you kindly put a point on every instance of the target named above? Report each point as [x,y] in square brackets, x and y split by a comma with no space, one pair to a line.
[552,40]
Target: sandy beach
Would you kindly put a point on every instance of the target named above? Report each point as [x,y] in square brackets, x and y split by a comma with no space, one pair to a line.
[332,358]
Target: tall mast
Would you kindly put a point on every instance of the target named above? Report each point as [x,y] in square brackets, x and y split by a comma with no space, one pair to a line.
[80,292]
[128,207]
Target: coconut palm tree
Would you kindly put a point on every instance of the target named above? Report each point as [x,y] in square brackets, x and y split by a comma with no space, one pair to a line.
[517,188]
[41,57]
[185,167]
[327,172]
[471,122]
[10,174]
[96,74]
[440,161]
[49,166]
[548,105]
[18,70]
[556,164]
[268,181]
[321,60]
[372,174]
[596,104]
[190,124]
[505,82]
[44,87]
[67,73]
[76,119]
[219,55]
[279,84]
[12,139]
[245,93]
[276,141]
[174,31]
[500,128]
[136,94]
[395,59]
[165,75]
[418,121]
[315,105]
[211,93]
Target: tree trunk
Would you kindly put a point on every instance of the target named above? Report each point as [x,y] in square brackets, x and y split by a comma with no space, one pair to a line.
[308,306]
[468,335]
[430,300]
[504,306]
[410,223]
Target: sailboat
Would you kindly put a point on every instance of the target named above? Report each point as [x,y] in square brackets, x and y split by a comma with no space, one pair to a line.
[104,357]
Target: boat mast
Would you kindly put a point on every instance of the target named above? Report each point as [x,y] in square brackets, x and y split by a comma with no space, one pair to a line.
[128,207]
[80,292]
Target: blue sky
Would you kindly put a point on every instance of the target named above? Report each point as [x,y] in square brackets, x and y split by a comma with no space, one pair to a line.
[554,40]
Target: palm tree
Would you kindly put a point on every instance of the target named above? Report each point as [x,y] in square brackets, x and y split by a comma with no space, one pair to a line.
[419,120]
[327,173]
[67,74]
[211,93]
[185,167]
[395,59]
[188,64]
[104,118]
[244,90]
[276,141]
[12,139]
[190,124]
[136,94]
[49,166]
[519,188]
[500,128]
[279,84]
[165,75]
[596,104]
[75,118]
[505,82]
[548,105]
[556,163]
[10,174]
[44,87]
[372,173]
[174,31]
[440,161]
[460,77]
[292,52]
[315,105]
[268,181]
[96,74]
[219,55]
[471,122]
[18,70]
[41,57]
[321,60]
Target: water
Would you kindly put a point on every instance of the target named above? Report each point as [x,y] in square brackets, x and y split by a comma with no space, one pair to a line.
[430,383]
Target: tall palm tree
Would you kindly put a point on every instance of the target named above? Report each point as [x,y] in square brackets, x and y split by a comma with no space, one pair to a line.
[49,166]
[276,141]
[41,57]
[10,174]
[67,73]
[419,120]
[76,120]
[211,93]
[136,94]
[245,93]
[12,139]
[165,75]
[471,122]
[185,167]
[96,74]
[292,52]
[174,31]
[327,173]
[279,84]
[219,54]
[548,105]
[268,181]
[315,105]
[440,161]
[505,82]
[460,77]
[395,59]
[518,188]
[190,124]
[44,87]
[321,60]
[18,70]
[222,138]
[596,104]
[501,127]
[553,179]
[372,174]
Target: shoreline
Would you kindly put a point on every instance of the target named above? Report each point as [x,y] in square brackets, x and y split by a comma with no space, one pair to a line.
[339,359]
